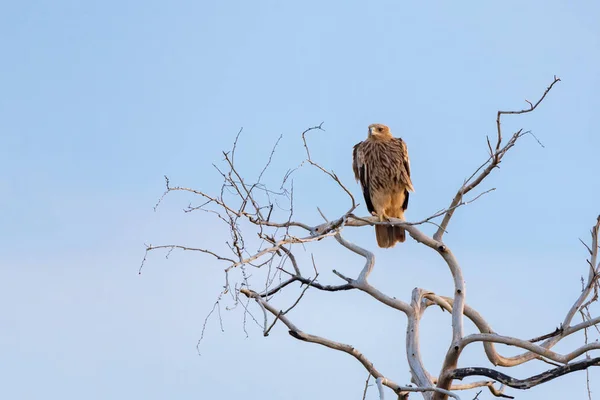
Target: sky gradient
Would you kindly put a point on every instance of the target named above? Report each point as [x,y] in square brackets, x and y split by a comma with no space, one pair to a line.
[101,99]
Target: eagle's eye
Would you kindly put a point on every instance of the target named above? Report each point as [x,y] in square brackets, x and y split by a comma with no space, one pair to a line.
[379,129]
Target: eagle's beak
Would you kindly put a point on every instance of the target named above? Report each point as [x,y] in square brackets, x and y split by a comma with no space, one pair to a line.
[370,130]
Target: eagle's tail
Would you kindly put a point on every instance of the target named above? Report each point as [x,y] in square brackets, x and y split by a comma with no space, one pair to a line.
[387,236]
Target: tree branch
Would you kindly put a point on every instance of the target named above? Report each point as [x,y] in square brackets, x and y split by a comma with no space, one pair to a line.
[532,347]
[298,334]
[492,162]
[528,383]
[329,173]
[419,374]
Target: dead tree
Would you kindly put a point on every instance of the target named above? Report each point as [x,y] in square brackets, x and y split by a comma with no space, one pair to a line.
[261,239]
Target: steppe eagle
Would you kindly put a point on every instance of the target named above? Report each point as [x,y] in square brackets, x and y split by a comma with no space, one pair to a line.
[382,167]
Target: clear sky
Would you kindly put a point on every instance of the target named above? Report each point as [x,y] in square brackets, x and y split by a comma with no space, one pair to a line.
[101,99]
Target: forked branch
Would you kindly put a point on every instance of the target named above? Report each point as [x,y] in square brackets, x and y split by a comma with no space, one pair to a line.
[295,332]
[492,162]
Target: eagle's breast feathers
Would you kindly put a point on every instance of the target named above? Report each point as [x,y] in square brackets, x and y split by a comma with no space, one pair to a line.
[382,165]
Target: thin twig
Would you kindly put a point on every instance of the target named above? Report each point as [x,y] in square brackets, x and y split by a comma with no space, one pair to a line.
[366,387]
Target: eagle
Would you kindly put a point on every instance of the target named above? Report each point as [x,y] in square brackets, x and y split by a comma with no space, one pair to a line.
[382,168]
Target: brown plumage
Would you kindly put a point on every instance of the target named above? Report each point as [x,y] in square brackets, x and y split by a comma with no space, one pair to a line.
[382,167]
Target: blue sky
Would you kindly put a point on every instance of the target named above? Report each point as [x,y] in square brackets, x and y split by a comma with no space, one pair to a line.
[101,99]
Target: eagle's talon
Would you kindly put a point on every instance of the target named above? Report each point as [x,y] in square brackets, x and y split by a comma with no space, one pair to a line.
[384,218]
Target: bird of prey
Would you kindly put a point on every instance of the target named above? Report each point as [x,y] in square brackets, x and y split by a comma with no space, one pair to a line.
[382,167]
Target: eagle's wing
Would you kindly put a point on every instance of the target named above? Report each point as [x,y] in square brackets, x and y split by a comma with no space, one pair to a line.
[355,162]
[405,167]
[360,173]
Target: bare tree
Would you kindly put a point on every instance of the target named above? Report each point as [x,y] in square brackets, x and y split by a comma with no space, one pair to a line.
[264,236]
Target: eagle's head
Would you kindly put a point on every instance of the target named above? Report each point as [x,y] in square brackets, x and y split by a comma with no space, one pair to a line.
[379,131]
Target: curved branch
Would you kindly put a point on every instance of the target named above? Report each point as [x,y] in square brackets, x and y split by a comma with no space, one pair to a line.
[529,382]
[592,276]
[488,337]
[295,332]
[537,350]
[453,353]
[172,247]
[362,284]
[309,282]
[551,339]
